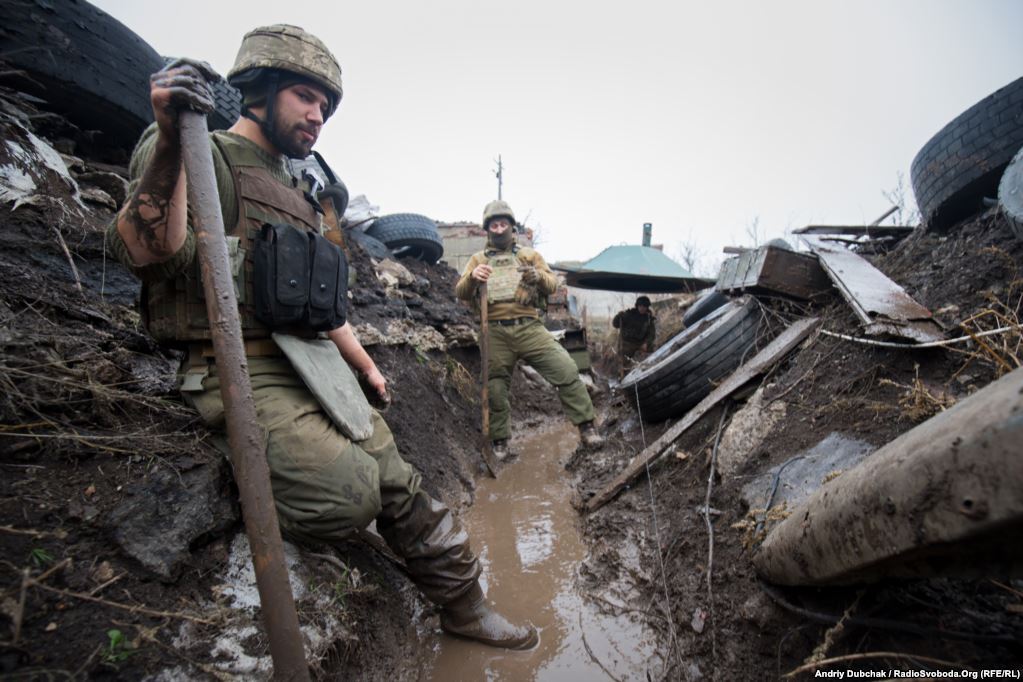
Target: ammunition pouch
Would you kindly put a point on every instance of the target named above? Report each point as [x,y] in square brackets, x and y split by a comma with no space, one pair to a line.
[300,279]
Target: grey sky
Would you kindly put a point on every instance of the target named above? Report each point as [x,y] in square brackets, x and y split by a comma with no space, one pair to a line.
[696,116]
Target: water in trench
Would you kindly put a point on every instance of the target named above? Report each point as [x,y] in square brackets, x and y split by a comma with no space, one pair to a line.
[527,536]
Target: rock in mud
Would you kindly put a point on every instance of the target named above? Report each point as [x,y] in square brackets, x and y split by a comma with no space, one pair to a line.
[162,517]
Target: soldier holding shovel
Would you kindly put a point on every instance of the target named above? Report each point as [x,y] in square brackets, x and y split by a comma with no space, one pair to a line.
[518,282]
[334,466]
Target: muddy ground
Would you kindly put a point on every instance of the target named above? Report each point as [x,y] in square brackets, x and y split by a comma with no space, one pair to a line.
[972,277]
[95,452]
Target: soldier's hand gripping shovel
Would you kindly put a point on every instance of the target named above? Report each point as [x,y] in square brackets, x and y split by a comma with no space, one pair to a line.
[488,454]
[246,437]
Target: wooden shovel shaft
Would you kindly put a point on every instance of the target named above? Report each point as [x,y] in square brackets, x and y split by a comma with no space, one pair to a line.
[245,436]
[488,455]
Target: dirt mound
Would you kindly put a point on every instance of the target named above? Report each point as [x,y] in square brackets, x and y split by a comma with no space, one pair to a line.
[118,519]
[738,628]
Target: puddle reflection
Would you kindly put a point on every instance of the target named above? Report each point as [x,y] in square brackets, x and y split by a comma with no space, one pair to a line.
[525,531]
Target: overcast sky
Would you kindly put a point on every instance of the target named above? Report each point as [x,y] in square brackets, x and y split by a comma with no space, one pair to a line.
[699,117]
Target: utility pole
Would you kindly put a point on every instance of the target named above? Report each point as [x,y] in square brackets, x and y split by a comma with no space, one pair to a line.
[500,175]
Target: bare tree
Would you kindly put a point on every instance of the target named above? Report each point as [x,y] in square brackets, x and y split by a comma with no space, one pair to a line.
[689,255]
[906,212]
[754,232]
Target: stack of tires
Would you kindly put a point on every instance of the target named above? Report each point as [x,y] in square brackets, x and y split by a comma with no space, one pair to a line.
[679,374]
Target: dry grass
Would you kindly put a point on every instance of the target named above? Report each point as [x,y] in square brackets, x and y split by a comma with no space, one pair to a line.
[459,378]
[754,526]
[1005,309]
[920,401]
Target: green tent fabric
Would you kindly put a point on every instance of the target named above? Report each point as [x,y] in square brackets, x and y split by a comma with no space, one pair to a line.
[634,269]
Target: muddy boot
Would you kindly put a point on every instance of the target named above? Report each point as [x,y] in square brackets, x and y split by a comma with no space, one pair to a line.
[471,616]
[589,436]
[500,449]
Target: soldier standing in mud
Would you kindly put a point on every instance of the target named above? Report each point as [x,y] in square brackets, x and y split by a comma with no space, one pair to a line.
[518,283]
[636,331]
[334,468]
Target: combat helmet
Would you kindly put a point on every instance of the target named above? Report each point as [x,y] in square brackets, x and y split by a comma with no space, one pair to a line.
[268,55]
[497,208]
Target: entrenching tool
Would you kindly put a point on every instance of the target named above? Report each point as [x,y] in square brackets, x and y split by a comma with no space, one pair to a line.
[245,436]
[488,455]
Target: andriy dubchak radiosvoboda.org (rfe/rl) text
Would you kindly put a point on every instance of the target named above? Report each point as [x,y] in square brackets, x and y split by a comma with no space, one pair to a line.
[1013,674]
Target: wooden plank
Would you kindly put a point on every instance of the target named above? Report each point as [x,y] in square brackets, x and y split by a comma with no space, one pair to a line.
[944,498]
[761,362]
[866,230]
[882,305]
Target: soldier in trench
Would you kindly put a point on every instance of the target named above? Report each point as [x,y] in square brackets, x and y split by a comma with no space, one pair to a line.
[636,331]
[334,468]
[518,283]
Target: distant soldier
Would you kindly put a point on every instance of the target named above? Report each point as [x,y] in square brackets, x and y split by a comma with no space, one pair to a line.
[518,283]
[636,330]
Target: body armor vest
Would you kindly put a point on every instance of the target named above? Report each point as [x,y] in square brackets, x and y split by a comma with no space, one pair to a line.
[175,310]
[504,280]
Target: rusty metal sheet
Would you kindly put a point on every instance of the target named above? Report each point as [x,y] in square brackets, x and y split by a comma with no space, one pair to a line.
[882,305]
[772,270]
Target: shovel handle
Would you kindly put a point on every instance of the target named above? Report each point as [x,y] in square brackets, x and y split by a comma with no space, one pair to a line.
[488,455]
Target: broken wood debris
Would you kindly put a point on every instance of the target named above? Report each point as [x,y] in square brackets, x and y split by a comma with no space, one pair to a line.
[872,231]
[883,306]
[773,270]
[761,362]
[869,239]
[940,499]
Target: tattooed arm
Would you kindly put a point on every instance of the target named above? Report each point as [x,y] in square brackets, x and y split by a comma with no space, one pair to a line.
[153,222]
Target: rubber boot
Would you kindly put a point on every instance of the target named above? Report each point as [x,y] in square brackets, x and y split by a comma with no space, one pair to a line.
[589,436]
[472,616]
[434,546]
[500,449]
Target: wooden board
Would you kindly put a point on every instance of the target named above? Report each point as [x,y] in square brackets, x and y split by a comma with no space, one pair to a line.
[771,270]
[882,305]
[761,362]
[867,230]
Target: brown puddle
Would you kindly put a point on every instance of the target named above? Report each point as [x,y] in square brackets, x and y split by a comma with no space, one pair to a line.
[526,534]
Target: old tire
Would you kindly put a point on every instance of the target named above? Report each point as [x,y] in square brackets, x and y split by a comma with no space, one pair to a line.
[963,162]
[371,245]
[1010,194]
[86,64]
[409,235]
[707,302]
[227,101]
[681,373]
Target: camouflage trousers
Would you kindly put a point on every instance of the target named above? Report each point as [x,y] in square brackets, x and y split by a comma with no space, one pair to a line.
[326,486]
[534,345]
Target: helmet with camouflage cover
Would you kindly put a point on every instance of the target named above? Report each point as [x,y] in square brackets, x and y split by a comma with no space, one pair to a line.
[495,209]
[282,47]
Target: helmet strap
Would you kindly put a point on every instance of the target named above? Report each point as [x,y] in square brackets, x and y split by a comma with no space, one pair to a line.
[266,124]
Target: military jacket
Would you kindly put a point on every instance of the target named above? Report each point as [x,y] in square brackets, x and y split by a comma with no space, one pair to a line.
[636,327]
[175,309]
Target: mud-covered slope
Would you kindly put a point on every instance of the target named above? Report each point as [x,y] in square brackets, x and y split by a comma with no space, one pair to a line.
[737,628]
[119,526]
